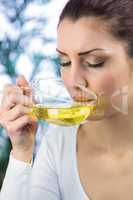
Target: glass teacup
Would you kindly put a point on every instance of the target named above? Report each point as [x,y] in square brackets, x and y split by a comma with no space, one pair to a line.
[55,105]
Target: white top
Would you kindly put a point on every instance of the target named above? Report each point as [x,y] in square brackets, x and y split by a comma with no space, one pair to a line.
[54,175]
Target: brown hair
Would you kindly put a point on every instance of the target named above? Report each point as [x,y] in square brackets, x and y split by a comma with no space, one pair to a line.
[118,12]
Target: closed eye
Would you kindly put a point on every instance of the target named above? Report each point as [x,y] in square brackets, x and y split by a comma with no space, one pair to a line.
[64,63]
[95,65]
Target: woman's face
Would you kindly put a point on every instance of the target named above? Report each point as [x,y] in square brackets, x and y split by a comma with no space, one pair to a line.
[91,56]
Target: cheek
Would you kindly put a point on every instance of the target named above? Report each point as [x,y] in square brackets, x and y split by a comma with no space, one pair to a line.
[110,82]
[65,77]
[106,84]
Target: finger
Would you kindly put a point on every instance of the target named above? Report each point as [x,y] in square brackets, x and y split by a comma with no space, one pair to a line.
[18,124]
[8,90]
[16,112]
[21,81]
[24,85]
[16,98]
[5,92]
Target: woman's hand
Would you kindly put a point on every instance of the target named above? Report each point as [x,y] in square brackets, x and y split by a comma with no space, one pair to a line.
[21,129]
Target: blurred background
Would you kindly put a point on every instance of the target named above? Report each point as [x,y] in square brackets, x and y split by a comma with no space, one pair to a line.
[27,47]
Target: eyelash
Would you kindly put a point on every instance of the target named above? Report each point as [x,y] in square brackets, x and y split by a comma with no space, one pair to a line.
[65,64]
[89,65]
[96,65]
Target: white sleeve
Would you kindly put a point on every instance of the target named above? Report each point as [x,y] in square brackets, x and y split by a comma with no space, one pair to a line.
[16,181]
[22,182]
[44,177]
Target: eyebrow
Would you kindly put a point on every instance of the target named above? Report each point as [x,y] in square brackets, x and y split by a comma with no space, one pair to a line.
[82,53]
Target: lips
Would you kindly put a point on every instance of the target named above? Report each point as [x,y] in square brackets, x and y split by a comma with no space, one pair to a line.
[84,96]
[81,99]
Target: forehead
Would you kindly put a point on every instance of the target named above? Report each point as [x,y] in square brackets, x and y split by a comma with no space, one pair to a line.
[85,31]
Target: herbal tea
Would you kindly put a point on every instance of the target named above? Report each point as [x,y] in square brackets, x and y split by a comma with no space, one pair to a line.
[65,116]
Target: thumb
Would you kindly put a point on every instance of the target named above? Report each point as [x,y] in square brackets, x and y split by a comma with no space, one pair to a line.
[21,81]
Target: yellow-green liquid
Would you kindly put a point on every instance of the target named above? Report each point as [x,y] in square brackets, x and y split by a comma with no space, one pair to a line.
[65,116]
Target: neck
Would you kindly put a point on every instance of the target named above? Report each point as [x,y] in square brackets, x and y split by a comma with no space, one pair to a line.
[110,134]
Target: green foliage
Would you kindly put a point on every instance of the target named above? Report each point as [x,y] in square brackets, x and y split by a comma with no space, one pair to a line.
[14,43]
[5,148]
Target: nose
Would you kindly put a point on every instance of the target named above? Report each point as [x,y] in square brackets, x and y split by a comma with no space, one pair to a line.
[77,80]
[77,76]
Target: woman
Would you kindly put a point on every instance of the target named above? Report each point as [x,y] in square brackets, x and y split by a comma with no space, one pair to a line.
[94,160]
